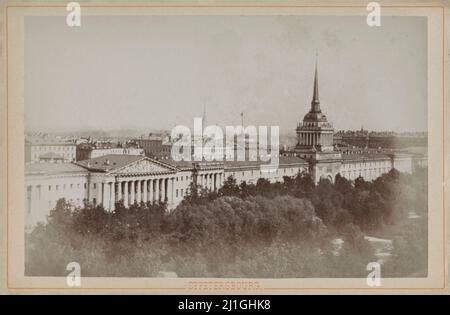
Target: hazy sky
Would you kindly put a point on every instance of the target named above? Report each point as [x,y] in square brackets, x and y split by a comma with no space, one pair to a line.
[156,72]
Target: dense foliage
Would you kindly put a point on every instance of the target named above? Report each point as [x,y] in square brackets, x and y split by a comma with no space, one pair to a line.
[269,230]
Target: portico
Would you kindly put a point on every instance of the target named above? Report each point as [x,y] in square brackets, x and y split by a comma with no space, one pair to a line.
[131,179]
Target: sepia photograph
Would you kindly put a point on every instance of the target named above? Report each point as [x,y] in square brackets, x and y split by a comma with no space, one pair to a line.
[105,189]
[226,146]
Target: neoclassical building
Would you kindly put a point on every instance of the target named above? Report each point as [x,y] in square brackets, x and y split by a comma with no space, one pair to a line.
[315,145]
[107,179]
[133,179]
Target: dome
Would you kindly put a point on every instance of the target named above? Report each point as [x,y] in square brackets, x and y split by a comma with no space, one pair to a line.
[315,116]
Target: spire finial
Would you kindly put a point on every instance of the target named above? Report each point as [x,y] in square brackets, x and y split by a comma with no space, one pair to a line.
[204,114]
[315,104]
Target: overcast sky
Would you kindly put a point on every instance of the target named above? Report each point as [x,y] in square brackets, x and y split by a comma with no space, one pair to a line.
[157,72]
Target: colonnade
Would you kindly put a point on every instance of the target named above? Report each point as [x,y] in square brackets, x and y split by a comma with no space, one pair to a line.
[210,181]
[136,190]
[314,138]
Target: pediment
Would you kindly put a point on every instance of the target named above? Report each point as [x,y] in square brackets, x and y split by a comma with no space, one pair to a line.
[144,166]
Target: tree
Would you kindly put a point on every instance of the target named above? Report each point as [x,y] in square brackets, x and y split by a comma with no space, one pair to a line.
[229,187]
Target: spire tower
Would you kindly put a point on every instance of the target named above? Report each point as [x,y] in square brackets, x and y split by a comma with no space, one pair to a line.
[315,103]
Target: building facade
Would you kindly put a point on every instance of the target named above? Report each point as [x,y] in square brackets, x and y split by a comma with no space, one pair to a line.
[133,179]
[315,144]
[44,150]
[155,146]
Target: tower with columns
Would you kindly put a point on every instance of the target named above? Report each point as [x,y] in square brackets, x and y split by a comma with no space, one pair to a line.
[315,139]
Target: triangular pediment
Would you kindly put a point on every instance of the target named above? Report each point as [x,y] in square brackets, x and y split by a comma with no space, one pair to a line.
[144,166]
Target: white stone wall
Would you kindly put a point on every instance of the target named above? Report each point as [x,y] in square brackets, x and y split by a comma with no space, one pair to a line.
[403,164]
[182,183]
[42,193]
[368,169]
[251,176]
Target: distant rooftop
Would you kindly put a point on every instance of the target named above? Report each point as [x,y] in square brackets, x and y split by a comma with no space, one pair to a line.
[39,140]
[53,168]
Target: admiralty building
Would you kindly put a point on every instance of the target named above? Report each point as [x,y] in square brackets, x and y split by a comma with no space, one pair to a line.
[110,178]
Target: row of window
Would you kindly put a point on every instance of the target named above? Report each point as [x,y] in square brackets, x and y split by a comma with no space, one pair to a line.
[55,148]
[386,163]
[181,193]
[64,186]
[182,177]
[260,172]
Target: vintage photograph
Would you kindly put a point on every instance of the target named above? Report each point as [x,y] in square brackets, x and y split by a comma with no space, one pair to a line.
[226,146]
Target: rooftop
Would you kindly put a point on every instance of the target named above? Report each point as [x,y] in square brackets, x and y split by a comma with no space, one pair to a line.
[109,162]
[53,169]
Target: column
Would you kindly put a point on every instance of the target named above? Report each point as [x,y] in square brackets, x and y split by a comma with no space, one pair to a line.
[144,198]
[31,200]
[104,203]
[99,194]
[119,191]
[132,193]
[113,196]
[138,195]
[151,191]
[125,194]
[157,190]
[172,190]
[169,191]
[38,201]
[163,190]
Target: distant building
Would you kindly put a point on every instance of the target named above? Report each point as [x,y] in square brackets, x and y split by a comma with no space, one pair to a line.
[92,150]
[155,146]
[375,140]
[48,149]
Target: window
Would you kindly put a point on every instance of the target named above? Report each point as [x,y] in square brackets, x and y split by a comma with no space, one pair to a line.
[187,177]
[49,187]
[95,186]
[71,186]
[176,193]
[85,185]
[57,186]
[181,192]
